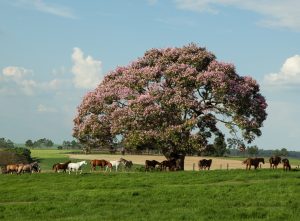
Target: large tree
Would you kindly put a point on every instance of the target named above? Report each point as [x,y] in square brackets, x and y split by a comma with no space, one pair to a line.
[174,99]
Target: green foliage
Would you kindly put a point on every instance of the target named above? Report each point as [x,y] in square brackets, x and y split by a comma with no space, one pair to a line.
[252,150]
[6,143]
[218,149]
[206,195]
[29,143]
[42,143]
[15,155]
[282,152]
[220,146]
[71,145]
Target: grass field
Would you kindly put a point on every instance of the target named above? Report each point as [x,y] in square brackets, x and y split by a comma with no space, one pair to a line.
[206,195]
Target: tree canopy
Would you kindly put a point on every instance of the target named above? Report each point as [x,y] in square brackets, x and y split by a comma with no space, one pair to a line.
[6,143]
[174,99]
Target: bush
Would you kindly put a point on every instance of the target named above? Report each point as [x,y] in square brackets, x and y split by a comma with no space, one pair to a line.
[15,155]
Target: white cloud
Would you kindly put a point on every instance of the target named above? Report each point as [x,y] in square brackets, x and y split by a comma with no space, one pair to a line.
[87,71]
[16,73]
[20,79]
[288,75]
[59,71]
[43,109]
[276,13]
[41,6]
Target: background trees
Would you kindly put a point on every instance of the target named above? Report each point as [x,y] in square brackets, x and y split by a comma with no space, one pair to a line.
[70,145]
[174,99]
[6,143]
[252,150]
[40,143]
[29,143]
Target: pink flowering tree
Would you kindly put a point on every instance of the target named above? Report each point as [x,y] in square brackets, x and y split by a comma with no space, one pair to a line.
[174,99]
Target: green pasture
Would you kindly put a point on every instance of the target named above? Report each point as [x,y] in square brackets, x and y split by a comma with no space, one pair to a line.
[206,195]
[48,157]
[199,195]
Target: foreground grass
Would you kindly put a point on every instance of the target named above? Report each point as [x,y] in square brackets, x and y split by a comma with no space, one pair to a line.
[205,195]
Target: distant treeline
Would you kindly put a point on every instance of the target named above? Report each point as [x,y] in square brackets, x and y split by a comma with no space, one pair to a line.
[40,143]
[218,149]
[266,153]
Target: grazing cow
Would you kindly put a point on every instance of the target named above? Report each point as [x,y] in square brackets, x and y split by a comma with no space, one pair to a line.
[253,162]
[151,164]
[170,164]
[286,164]
[204,164]
[274,161]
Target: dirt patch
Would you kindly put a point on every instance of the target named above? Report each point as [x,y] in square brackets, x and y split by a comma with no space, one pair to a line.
[190,161]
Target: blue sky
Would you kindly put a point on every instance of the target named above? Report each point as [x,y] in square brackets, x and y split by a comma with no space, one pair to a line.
[53,52]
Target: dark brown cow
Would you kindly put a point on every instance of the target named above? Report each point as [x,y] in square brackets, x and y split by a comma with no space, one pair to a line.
[253,162]
[204,164]
[274,161]
[286,164]
[151,164]
[170,164]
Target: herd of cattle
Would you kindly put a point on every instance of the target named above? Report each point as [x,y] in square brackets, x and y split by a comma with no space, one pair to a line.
[170,165]
[274,161]
[173,165]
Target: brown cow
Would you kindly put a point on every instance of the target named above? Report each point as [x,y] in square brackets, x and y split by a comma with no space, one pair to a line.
[170,164]
[253,162]
[286,164]
[274,161]
[151,164]
[204,164]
